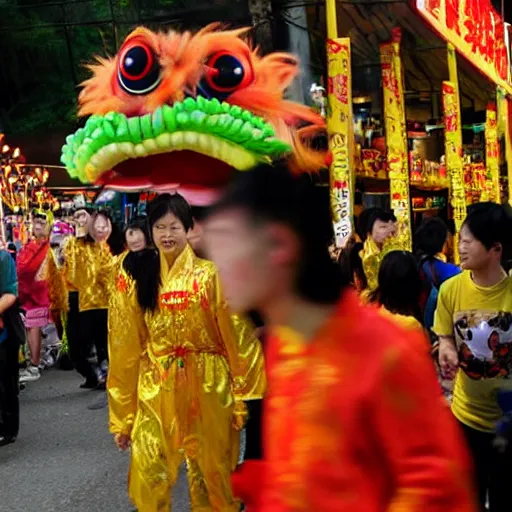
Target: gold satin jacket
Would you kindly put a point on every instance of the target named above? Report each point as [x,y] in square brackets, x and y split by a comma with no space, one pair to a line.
[372,257]
[57,290]
[191,352]
[87,268]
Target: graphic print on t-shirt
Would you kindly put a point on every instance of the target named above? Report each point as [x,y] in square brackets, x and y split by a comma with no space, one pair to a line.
[484,340]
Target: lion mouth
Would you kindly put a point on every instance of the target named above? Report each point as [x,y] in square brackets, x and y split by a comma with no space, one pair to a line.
[197,142]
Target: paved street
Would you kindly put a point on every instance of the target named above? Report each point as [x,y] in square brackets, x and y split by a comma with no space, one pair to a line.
[65,459]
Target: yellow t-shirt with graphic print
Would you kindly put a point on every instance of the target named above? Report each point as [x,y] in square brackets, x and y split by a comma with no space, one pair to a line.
[480,320]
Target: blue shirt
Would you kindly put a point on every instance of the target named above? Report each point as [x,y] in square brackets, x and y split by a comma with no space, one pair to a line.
[437,272]
[8,281]
[445,270]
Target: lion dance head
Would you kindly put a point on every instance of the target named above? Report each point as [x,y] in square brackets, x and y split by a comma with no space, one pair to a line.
[185,111]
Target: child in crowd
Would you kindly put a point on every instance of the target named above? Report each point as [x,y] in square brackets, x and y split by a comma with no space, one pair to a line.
[399,289]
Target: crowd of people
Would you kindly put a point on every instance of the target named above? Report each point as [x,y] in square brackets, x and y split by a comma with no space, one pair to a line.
[388,371]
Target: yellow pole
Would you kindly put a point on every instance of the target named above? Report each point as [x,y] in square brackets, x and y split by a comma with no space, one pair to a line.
[396,138]
[340,129]
[453,75]
[332,19]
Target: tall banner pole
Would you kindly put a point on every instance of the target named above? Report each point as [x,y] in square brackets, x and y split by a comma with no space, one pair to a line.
[454,147]
[396,137]
[492,155]
[340,129]
[453,74]
[504,127]
[453,155]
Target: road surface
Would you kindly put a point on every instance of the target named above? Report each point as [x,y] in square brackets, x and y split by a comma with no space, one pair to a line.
[64,459]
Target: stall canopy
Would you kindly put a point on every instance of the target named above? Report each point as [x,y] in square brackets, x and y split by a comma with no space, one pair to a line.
[424,56]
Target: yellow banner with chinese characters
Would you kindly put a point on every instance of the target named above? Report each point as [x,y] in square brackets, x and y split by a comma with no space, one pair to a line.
[396,138]
[504,134]
[492,155]
[453,154]
[340,131]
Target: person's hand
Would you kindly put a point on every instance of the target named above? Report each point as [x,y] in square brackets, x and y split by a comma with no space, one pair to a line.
[448,358]
[55,315]
[259,332]
[500,443]
[123,441]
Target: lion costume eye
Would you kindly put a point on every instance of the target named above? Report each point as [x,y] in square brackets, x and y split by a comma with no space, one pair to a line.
[138,69]
[226,73]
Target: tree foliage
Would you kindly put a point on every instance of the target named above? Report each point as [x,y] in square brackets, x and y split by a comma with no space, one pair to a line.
[44,45]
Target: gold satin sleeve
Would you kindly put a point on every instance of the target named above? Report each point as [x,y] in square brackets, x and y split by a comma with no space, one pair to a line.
[244,351]
[126,341]
[93,275]
[372,257]
[57,289]
[69,254]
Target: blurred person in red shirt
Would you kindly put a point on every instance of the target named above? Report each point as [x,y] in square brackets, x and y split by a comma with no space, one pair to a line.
[353,418]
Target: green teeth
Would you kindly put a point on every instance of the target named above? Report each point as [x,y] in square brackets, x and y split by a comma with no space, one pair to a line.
[222,120]
[145,127]
[134,129]
[169,119]
[182,119]
[158,122]
[189,104]
[122,130]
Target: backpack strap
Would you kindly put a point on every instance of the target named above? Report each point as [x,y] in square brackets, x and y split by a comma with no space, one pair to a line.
[435,275]
[428,267]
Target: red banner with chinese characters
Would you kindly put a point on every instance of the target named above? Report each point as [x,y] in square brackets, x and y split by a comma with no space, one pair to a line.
[476,30]
[396,138]
[339,127]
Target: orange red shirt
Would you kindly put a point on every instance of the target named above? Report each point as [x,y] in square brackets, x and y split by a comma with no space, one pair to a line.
[353,421]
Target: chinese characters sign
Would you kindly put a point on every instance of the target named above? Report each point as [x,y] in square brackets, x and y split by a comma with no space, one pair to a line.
[475,29]
[339,127]
[396,139]
[504,133]
[453,152]
[492,155]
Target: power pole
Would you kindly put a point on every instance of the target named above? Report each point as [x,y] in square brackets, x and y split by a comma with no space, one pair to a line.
[261,14]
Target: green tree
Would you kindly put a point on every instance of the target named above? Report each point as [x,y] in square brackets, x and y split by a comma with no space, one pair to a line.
[44,45]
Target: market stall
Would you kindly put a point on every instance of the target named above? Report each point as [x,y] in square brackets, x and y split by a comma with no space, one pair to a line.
[422,124]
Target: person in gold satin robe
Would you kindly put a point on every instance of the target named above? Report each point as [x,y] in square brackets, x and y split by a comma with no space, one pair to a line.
[377,230]
[87,266]
[123,266]
[180,370]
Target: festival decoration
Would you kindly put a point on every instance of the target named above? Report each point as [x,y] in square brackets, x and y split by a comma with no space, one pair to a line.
[453,152]
[492,155]
[44,199]
[474,181]
[340,130]
[476,29]
[396,137]
[182,110]
[18,181]
[505,134]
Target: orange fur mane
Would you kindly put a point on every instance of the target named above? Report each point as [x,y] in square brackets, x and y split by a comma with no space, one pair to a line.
[182,58]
